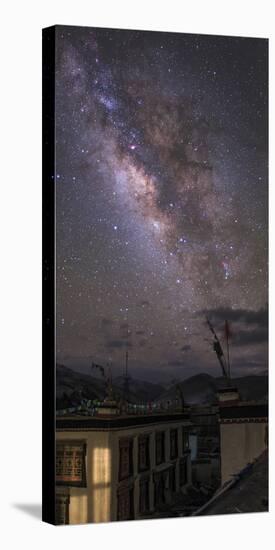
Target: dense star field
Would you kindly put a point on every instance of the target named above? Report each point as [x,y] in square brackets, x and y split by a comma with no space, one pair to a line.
[161,200]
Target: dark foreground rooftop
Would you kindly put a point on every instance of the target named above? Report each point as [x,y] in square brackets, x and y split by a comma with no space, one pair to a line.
[247,493]
[116,422]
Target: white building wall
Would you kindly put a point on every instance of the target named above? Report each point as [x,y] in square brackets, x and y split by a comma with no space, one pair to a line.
[98,501]
[241,443]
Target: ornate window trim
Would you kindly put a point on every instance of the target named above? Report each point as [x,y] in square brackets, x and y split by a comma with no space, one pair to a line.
[79,450]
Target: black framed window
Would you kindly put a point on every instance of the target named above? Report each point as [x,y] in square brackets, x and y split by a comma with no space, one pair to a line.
[143,453]
[185,440]
[172,479]
[160,447]
[183,472]
[173,443]
[125,504]
[125,458]
[159,491]
[144,503]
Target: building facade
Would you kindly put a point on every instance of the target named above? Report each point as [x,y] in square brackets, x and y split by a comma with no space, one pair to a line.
[244,437]
[119,468]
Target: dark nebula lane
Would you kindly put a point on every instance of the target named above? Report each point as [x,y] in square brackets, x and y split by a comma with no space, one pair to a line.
[161,189]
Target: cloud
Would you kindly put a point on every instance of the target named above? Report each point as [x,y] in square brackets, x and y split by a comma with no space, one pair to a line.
[175,363]
[255,336]
[105,322]
[246,316]
[106,327]
[248,327]
[185,348]
[118,344]
[142,343]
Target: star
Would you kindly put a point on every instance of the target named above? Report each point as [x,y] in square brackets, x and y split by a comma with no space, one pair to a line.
[161,197]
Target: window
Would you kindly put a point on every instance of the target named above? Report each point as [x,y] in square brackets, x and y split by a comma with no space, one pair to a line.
[159,491]
[144,504]
[70,463]
[143,453]
[62,509]
[172,479]
[125,504]
[125,458]
[160,447]
[185,440]
[183,472]
[173,443]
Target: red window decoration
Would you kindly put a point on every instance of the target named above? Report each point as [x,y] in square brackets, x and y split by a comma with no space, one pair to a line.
[70,464]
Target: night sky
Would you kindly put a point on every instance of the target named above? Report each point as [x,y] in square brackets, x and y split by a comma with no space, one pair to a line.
[161,200]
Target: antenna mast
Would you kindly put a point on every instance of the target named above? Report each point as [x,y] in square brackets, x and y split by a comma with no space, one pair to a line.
[218,350]
[126,376]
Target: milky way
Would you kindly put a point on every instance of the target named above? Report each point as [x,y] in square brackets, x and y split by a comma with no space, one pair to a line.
[161,199]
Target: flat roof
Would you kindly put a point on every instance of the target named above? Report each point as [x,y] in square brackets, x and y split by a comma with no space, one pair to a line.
[243,412]
[87,423]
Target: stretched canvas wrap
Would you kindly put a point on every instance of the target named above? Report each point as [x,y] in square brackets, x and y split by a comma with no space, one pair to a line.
[155,369]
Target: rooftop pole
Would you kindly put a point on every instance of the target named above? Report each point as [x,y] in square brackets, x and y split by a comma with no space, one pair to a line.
[227,334]
[126,379]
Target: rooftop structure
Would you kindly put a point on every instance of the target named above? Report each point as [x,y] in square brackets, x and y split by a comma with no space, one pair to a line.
[228,396]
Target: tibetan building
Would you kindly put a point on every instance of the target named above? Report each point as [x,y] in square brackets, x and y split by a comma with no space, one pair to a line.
[112,467]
